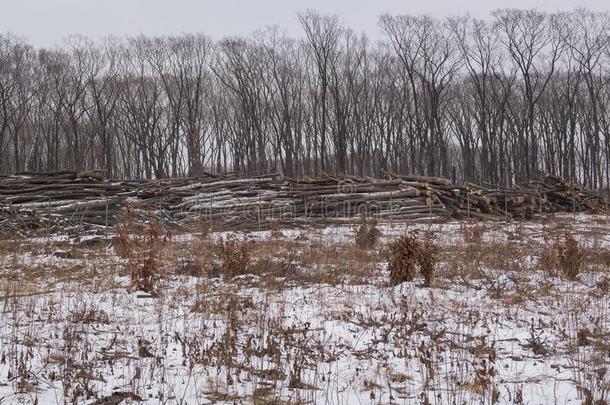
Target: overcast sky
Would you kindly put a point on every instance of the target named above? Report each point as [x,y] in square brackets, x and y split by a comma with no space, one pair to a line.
[46,22]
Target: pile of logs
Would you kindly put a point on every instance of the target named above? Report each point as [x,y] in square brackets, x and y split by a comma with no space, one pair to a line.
[339,199]
[63,200]
[38,200]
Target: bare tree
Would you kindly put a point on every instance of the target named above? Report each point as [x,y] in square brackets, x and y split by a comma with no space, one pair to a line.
[495,100]
[322,33]
[534,41]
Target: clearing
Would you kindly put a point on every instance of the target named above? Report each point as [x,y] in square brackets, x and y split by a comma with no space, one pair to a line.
[307,316]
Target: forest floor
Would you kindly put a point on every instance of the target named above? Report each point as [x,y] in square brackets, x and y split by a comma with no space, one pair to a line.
[313,319]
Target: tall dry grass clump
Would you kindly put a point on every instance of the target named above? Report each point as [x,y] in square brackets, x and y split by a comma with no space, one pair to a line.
[143,247]
[407,254]
[427,258]
[276,230]
[403,259]
[123,233]
[235,256]
[473,234]
[145,266]
[202,230]
[566,256]
[571,257]
[368,234]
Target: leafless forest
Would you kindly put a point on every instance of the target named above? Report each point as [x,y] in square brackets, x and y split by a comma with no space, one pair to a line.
[491,101]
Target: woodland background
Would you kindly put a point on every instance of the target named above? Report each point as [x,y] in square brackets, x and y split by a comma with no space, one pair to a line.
[500,100]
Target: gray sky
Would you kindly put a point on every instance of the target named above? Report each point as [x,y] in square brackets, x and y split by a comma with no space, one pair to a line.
[46,22]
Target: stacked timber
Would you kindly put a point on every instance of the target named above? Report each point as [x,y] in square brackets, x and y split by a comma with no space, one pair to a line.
[233,202]
[334,199]
[60,201]
[56,199]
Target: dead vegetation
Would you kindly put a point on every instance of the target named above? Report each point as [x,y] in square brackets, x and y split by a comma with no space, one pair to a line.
[234,256]
[272,327]
[142,245]
[563,256]
[368,234]
[407,254]
[145,264]
[403,259]
[124,231]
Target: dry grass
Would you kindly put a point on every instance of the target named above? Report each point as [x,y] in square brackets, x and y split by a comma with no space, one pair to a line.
[123,231]
[407,253]
[143,245]
[563,255]
[305,262]
[146,262]
[571,257]
[427,258]
[234,256]
[202,230]
[473,234]
[276,230]
[368,234]
[254,329]
[403,259]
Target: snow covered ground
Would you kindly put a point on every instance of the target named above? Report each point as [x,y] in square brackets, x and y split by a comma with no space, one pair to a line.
[314,321]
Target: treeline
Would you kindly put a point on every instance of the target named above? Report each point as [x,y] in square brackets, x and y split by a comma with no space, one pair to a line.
[491,101]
